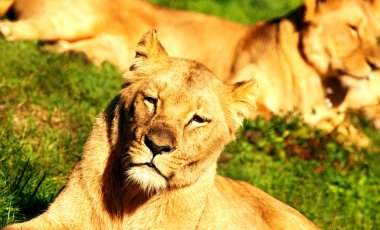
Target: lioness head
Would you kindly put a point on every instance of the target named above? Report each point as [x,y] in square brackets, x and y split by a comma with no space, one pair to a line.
[178,117]
[340,37]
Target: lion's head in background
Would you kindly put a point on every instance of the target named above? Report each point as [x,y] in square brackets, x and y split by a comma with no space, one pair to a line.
[341,37]
[340,41]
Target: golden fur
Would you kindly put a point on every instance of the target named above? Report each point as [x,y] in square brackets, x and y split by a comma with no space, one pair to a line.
[5,5]
[150,162]
[306,60]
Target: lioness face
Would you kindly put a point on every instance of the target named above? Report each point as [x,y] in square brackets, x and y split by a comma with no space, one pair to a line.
[341,38]
[180,116]
[178,127]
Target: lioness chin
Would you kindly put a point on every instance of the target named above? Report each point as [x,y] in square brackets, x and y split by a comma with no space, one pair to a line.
[150,162]
[294,58]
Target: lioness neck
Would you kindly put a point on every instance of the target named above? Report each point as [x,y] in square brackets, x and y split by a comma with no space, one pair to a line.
[179,208]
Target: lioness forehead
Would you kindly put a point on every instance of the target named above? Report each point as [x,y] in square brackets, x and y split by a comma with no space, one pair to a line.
[183,88]
[195,75]
[186,75]
[199,75]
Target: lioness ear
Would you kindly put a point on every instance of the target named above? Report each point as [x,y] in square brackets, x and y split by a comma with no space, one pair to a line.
[243,95]
[150,55]
[150,47]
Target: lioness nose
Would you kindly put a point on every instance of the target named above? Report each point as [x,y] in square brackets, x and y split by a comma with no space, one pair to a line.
[160,141]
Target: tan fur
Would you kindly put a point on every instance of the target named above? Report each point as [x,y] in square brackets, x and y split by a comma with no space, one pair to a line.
[124,182]
[5,5]
[291,57]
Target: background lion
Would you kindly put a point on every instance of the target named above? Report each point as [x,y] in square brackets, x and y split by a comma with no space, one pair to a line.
[306,57]
[150,161]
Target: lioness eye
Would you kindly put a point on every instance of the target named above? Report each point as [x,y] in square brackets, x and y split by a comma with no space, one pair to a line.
[150,102]
[354,30]
[198,121]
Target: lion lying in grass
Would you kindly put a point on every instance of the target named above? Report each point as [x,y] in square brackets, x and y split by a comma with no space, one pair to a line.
[301,61]
[150,162]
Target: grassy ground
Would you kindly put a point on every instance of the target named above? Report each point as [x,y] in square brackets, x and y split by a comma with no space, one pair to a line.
[48,103]
[245,11]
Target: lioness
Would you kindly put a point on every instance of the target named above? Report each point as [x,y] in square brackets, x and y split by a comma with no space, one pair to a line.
[301,61]
[150,162]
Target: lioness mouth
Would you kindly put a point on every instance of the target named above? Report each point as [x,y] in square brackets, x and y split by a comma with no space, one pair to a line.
[150,165]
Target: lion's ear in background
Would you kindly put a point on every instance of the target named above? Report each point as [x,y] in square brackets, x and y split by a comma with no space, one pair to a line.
[243,96]
[311,7]
[376,6]
[376,3]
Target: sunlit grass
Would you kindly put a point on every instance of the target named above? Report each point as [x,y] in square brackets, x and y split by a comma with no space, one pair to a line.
[48,103]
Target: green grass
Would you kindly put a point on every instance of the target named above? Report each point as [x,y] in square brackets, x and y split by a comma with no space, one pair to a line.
[244,11]
[48,103]
[337,186]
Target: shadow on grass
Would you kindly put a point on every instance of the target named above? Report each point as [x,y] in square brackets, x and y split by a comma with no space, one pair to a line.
[28,195]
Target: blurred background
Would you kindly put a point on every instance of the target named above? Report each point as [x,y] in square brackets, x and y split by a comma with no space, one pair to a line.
[48,103]
[244,11]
